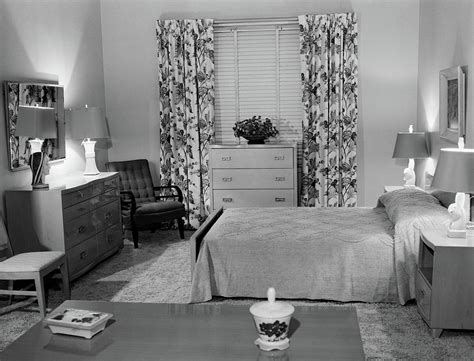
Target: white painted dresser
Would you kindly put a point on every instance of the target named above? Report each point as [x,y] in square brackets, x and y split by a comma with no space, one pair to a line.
[253,175]
[77,215]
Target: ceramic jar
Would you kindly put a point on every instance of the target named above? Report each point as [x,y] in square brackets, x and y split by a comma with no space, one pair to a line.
[272,320]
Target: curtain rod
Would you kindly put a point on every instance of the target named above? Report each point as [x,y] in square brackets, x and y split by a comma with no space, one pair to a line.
[257,21]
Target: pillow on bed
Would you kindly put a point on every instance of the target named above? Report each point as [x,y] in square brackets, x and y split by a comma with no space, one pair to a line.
[401,199]
[445,198]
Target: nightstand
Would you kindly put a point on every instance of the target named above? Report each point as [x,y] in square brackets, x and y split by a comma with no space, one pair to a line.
[445,281]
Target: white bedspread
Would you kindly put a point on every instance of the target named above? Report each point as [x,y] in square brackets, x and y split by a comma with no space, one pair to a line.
[342,254]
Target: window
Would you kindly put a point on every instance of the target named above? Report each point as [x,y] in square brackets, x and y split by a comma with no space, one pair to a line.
[257,72]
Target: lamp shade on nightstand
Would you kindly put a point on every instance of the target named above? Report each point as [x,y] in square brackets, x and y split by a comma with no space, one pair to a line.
[455,170]
[411,145]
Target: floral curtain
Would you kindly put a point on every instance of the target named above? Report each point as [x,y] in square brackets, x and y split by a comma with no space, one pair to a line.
[186,85]
[329,58]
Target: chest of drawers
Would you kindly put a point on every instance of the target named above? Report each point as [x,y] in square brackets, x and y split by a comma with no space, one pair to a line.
[253,175]
[79,216]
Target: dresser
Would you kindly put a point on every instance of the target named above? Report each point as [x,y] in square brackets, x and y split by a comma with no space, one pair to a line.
[253,175]
[79,215]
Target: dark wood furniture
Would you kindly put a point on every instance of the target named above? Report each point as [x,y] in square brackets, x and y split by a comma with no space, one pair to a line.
[147,331]
[78,215]
[445,281]
[142,202]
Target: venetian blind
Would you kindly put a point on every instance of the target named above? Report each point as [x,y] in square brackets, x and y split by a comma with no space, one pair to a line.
[257,72]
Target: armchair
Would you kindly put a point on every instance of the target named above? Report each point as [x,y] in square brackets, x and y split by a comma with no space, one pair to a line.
[144,206]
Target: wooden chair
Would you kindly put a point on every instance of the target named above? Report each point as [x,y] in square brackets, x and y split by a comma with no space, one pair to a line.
[29,266]
[144,206]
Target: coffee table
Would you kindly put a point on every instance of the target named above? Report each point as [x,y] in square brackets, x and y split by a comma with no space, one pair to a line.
[150,331]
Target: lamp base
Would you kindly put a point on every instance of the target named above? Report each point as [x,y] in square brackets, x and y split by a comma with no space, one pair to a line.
[456,233]
[91,167]
[40,186]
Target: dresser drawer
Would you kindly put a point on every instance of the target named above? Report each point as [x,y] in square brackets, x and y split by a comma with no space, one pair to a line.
[253,198]
[106,216]
[423,296]
[109,239]
[82,255]
[252,178]
[71,198]
[76,210]
[252,158]
[105,186]
[104,198]
[77,230]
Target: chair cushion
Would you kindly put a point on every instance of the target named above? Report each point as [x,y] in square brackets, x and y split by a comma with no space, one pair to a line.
[158,207]
[30,261]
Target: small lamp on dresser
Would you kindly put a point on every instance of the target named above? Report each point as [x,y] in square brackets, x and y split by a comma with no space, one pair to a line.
[454,172]
[410,145]
[87,123]
[38,123]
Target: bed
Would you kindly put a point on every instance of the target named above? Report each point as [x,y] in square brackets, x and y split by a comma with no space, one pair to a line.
[341,254]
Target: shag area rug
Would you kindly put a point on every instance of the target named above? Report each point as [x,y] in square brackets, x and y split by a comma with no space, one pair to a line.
[159,271]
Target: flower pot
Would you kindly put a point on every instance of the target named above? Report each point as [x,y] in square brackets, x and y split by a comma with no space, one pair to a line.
[255,139]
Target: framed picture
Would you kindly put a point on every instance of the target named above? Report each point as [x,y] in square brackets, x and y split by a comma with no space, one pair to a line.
[452,117]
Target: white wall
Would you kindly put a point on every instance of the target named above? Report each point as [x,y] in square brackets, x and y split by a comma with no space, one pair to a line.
[446,40]
[388,46]
[54,40]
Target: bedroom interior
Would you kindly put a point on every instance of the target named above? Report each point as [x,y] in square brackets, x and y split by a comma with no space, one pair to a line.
[104,53]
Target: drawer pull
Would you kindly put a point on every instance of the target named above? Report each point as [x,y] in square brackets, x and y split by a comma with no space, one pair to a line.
[82,209]
[279,179]
[227,200]
[108,215]
[83,254]
[279,157]
[110,240]
[81,229]
[279,199]
[81,195]
[227,179]
[226,158]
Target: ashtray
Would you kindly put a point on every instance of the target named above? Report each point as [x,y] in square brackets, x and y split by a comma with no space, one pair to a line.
[75,322]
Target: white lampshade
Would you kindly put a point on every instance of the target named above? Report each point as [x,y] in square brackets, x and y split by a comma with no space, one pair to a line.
[455,170]
[88,123]
[411,145]
[36,122]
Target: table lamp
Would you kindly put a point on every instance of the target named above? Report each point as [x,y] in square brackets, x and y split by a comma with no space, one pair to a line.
[87,123]
[454,172]
[410,145]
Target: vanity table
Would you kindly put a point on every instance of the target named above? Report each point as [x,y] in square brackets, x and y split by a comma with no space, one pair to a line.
[78,215]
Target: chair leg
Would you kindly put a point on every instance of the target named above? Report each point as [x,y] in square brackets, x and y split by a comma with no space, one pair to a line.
[135,236]
[10,287]
[39,284]
[181,227]
[65,278]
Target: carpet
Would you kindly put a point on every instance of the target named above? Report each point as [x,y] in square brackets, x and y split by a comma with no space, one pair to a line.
[159,271]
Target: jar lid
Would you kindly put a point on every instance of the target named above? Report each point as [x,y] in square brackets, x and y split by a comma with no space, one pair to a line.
[272,308]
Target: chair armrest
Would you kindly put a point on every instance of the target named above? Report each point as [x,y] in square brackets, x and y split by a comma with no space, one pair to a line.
[129,198]
[178,191]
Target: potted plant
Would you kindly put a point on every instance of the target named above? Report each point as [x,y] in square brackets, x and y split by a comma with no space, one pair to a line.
[255,129]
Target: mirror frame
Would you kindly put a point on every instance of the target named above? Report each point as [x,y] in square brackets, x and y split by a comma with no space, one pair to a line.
[17,147]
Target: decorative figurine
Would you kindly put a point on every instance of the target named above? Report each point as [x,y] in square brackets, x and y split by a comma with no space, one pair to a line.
[39,164]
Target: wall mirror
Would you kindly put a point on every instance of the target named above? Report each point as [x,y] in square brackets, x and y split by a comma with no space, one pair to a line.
[27,102]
